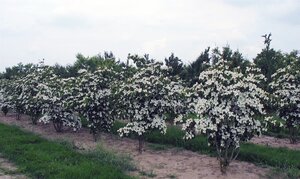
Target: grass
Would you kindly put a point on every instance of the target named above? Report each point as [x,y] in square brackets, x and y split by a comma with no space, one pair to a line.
[7,171]
[40,158]
[158,147]
[150,174]
[282,158]
[121,161]
[171,176]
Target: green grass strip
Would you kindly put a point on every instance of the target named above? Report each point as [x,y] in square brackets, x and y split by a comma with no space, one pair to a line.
[41,158]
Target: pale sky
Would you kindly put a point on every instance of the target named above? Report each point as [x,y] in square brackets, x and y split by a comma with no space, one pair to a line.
[57,30]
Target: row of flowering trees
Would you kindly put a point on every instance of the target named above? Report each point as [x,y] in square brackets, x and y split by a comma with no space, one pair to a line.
[226,101]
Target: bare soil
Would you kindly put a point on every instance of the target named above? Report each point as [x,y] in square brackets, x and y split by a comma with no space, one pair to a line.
[9,170]
[169,163]
[275,142]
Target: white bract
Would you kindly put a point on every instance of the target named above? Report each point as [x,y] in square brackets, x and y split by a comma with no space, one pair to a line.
[29,95]
[286,89]
[11,90]
[4,98]
[53,95]
[93,98]
[145,99]
[226,102]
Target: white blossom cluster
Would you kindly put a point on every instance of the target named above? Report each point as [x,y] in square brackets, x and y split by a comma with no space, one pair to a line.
[11,91]
[286,89]
[272,122]
[4,100]
[225,103]
[146,97]
[92,94]
[28,97]
[53,95]
[41,93]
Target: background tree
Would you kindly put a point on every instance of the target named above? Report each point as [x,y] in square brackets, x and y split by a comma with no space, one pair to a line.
[235,58]
[175,65]
[268,60]
[140,61]
[192,71]
[17,71]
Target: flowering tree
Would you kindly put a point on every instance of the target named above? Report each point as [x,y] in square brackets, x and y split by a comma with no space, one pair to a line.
[226,102]
[93,98]
[145,99]
[4,106]
[11,91]
[28,97]
[53,94]
[286,89]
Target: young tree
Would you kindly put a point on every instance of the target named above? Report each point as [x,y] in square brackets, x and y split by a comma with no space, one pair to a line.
[225,104]
[12,90]
[29,91]
[286,89]
[93,98]
[145,99]
[54,95]
[4,105]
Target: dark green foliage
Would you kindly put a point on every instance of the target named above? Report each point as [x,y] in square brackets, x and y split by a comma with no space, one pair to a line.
[40,158]
[175,65]
[98,61]
[64,72]
[235,57]
[139,61]
[192,71]
[19,70]
[268,60]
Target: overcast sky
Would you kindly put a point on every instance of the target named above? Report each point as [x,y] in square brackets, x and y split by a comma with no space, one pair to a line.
[57,30]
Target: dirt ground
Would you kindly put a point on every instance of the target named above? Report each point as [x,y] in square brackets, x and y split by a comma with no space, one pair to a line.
[275,142]
[9,170]
[169,163]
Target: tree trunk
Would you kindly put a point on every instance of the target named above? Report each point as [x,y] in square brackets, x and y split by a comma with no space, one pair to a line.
[96,136]
[223,166]
[293,132]
[34,120]
[58,126]
[224,163]
[18,117]
[141,143]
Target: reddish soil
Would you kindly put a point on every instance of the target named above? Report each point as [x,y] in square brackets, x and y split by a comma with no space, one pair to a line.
[275,142]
